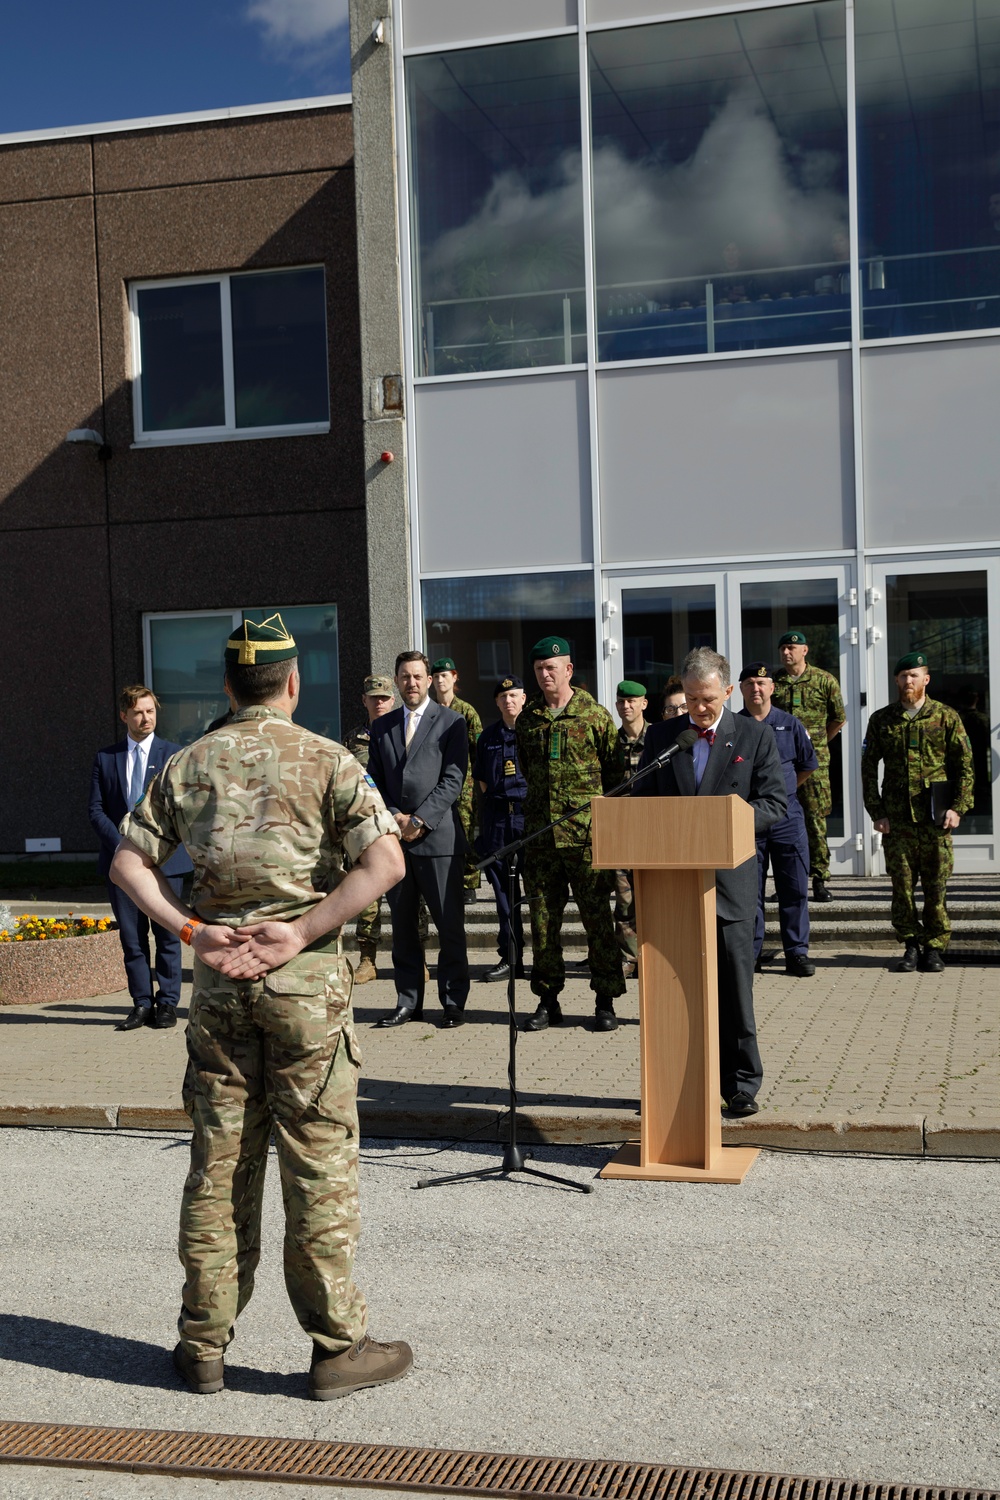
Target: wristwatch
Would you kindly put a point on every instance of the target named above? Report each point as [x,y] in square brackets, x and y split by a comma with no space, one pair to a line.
[417,822]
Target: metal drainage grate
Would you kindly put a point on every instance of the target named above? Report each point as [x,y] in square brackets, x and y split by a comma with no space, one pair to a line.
[377,1465]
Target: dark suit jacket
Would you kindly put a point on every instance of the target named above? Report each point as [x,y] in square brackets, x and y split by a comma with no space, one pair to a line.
[743,762]
[109,799]
[427,779]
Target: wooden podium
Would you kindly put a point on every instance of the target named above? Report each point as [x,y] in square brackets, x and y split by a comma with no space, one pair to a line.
[673,846]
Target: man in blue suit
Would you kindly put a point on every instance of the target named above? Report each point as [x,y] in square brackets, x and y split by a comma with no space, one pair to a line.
[417,758]
[120,776]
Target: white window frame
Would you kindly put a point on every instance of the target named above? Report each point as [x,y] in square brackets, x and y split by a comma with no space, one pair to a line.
[228,433]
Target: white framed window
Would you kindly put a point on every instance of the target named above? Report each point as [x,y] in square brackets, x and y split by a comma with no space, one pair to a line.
[184,665]
[232,356]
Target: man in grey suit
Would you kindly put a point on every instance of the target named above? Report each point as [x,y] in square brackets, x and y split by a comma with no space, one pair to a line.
[417,758]
[731,757]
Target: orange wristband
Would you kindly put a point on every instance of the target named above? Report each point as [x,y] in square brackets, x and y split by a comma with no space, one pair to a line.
[187,931]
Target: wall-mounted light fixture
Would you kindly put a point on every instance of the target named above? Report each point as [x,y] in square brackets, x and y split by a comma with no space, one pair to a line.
[378,33]
[88,435]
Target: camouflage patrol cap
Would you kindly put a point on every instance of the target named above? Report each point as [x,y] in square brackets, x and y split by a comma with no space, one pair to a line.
[379,687]
[550,645]
[443,664]
[630,689]
[507,684]
[755,669]
[257,642]
[793,638]
[911,659]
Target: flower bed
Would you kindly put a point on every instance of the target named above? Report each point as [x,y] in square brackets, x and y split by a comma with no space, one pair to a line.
[52,958]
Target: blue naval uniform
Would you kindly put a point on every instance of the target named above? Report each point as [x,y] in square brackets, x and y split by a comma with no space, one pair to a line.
[786,843]
[501,818]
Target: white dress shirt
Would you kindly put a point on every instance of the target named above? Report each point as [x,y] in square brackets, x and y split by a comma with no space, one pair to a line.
[701,749]
[138,759]
[412,713]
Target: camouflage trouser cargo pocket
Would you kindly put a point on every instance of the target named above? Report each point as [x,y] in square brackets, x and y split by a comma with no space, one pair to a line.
[275,1055]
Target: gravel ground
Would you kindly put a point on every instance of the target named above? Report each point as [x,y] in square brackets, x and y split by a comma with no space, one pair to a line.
[833,1316]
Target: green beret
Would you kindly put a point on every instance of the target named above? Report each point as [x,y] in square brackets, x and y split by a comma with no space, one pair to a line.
[629,689]
[911,659]
[443,664]
[549,645]
[793,638]
[259,642]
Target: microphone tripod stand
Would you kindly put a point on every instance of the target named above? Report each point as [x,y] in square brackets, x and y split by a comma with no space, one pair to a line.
[513,1156]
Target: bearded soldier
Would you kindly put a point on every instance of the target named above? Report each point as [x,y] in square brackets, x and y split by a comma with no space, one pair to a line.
[927,785]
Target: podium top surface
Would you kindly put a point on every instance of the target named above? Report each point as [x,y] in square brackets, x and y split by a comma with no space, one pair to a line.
[672,833]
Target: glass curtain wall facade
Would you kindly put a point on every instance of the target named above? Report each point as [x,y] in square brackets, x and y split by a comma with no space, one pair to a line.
[739,232]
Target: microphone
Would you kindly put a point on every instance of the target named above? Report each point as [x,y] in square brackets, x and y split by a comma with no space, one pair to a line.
[684,741]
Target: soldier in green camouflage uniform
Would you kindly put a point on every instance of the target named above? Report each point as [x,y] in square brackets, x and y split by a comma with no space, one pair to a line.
[567,746]
[630,703]
[445,675]
[927,785]
[814,697]
[268,813]
[378,697]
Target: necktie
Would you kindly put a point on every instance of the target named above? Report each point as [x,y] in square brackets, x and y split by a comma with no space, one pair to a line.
[135,777]
[411,729]
[707,734]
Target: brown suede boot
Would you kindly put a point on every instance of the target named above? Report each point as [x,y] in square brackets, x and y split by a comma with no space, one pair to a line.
[365,970]
[203,1376]
[366,1363]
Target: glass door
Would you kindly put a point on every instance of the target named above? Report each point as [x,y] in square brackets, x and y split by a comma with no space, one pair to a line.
[653,622]
[947,611]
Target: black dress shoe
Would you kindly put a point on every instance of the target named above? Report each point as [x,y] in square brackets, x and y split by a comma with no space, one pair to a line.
[605,1018]
[799,966]
[932,961]
[452,1017]
[399,1017]
[820,892]
[742,1104]
[164,1015]
[549,1013]
[469,898]
[138,1016]
[909,960]
[499,971]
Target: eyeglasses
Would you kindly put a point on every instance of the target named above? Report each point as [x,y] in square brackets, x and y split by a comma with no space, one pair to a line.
[672,710]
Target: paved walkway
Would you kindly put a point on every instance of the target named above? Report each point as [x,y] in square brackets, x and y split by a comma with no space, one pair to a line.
[857,1058]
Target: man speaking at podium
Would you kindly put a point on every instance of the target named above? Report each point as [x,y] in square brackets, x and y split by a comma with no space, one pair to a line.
[731,757]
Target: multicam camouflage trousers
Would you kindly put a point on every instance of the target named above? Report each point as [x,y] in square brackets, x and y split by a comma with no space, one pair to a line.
[277,1055]
[817,802]
[919,853]
[549,873]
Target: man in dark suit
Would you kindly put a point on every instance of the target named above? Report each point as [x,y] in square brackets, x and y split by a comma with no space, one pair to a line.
[731,757]
[417,758]
[120,776]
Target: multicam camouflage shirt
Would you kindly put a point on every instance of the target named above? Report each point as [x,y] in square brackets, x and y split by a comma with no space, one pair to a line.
[567,760]
[359,742]
[631,750]
[814,697]
[267,811]
[928,749]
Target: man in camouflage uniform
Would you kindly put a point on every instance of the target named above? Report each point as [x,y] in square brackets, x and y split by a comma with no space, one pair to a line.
[630,704]
[268,812]
[927,786]
[445,675]
[813,696]
[568,750]
[379,697]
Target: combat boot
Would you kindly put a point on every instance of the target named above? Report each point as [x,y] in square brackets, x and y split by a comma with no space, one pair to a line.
[909,960]
[366,969]
[366,1363]
[549,1013]
[203,1376]
[932,961]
